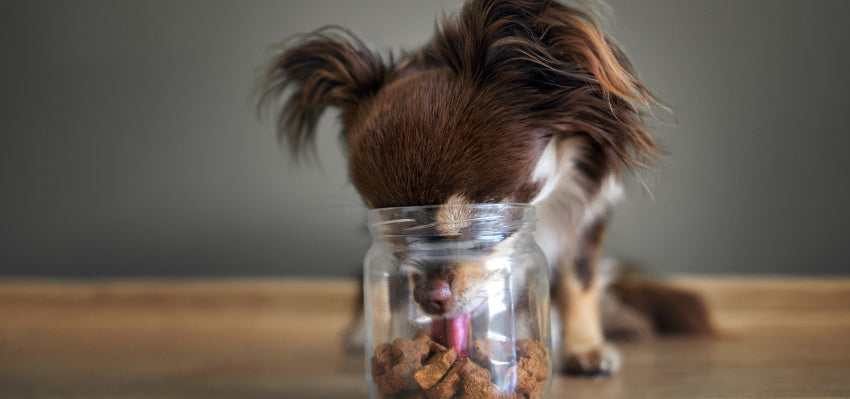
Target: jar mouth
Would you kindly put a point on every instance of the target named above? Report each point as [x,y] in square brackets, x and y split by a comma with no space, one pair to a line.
[452,220]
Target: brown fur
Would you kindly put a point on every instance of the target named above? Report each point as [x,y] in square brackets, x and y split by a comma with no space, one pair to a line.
[469,115]
[670,310]
[491,89]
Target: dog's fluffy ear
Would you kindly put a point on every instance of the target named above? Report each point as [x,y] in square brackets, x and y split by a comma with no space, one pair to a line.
[557,63]
[329,67]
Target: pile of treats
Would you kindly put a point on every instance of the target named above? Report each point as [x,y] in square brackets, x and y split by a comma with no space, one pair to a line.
[421,368]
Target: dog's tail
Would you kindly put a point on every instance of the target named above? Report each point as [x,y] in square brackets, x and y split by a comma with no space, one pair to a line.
[635,307]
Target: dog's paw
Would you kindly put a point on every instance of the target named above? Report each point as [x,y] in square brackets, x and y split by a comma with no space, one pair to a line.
[593,361]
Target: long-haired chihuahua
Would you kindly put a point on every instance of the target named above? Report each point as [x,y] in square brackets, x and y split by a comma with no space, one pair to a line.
[525,101]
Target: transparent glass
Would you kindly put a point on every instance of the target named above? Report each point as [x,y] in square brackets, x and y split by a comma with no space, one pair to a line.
[457,303]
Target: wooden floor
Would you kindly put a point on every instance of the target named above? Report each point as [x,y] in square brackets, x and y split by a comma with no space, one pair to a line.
[280,339]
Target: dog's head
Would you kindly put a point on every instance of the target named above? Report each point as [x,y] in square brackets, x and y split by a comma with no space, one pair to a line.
[508,97]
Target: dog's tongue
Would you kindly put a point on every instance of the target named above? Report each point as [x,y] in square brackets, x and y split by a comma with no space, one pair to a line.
[452,332]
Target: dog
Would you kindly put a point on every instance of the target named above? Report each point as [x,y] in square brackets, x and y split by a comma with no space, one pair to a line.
[525,101]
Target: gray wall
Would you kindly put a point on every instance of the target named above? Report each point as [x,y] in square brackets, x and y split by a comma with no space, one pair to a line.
[129,146]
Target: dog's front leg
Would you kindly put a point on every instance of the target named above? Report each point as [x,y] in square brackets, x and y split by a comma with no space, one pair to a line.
[395,295]
[354,335]
[576,295]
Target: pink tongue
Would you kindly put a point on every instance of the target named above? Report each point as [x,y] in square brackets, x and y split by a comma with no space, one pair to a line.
[452,332]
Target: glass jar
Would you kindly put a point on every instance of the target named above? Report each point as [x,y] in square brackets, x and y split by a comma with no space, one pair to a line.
[457,303]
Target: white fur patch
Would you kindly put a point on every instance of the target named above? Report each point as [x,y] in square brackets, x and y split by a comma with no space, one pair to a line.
[562,194]
[453,215]
[610,193]
[562,205]
[546,172]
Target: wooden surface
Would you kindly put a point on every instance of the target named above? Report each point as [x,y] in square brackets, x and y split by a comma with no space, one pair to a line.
[280,339]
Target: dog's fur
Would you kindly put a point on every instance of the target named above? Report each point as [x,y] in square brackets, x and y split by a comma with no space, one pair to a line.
[523,101]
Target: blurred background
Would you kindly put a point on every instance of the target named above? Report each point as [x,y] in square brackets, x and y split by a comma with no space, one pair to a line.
[129,146]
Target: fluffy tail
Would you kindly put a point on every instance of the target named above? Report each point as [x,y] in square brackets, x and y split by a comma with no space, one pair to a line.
[636,307]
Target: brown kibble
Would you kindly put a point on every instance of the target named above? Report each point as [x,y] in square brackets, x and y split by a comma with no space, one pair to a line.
[377,370]
[504,395]
[423,343]
[531,348]
[466,366]
[411,395]
[422,338]
[495,393]
[524,374]
[477,385]
[532,369]
[410,350]
[409,356]
[399,372]
[435,368]
[536,393]
[382,360]
[537,358]
[421,335]
[384,385]
[526,377]
[451,382]
[401,375]
[470,368]
[481,351]
[436,347]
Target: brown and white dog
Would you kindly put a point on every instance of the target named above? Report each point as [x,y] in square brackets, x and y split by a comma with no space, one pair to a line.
[523,101]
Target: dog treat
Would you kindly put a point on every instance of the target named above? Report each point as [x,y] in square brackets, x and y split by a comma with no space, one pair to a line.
[481,351]
[423,337]
[411,395]
[531,349]
[476,383]
[422,368]
[510,394]
[532,369]
[382,359]
[451,383]
[393,365]
[435,368]
[408,356]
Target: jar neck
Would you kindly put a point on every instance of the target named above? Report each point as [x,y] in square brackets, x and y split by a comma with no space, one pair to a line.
[482,223]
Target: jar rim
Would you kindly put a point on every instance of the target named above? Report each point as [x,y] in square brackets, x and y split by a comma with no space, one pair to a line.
[468,219]
[479,205]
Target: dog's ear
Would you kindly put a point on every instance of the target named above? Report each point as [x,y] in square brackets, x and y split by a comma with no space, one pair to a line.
[556,62]
[329,67]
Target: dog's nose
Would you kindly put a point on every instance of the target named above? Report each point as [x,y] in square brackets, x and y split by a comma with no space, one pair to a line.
[437,297]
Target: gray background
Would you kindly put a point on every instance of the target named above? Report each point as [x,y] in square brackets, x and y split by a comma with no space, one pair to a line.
[129,146]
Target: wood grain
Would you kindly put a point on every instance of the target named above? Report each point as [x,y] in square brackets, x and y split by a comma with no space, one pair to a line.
[281,339]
